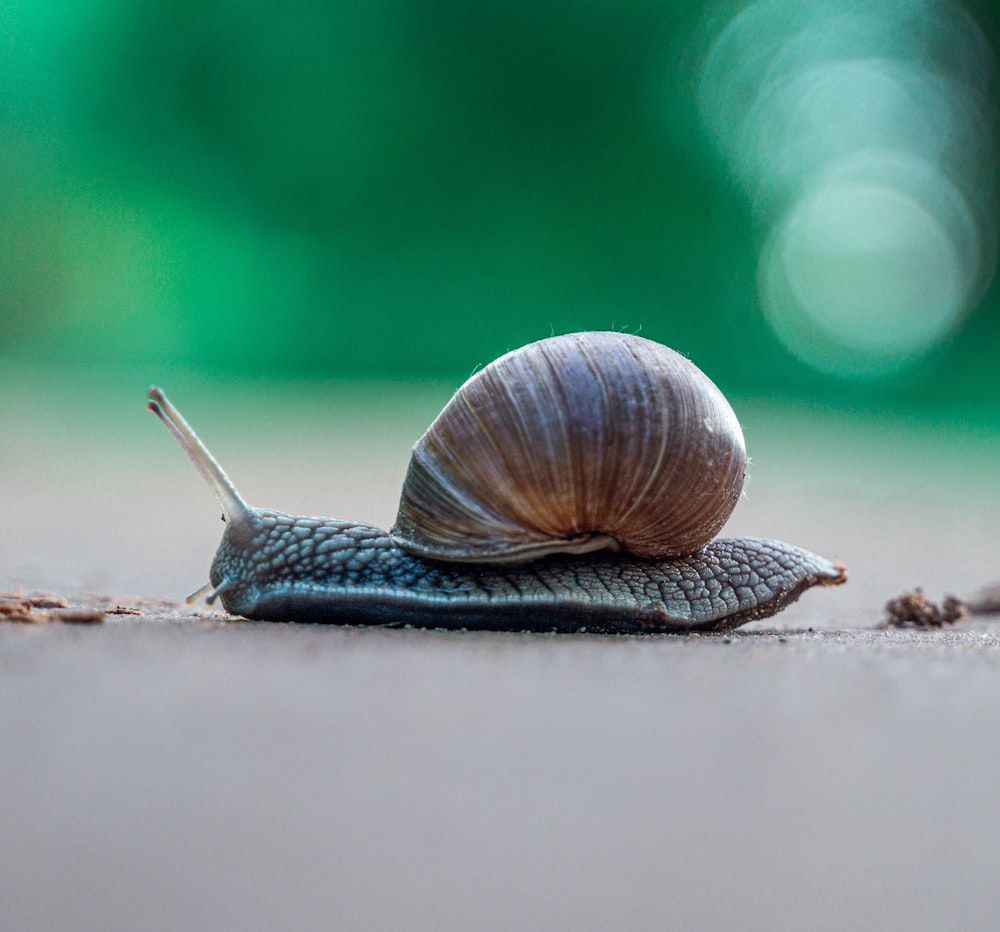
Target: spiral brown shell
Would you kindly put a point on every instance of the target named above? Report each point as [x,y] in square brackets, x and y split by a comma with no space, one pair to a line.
[572,444]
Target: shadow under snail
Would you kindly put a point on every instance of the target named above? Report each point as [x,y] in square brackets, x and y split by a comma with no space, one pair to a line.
[576,483]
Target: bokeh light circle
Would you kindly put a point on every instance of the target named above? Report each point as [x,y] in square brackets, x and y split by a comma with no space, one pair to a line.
[862,272]
[863,138]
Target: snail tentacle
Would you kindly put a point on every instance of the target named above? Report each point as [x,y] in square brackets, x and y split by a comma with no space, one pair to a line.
[230,501]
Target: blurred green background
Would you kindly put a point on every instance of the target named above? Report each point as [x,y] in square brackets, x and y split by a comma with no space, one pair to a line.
[407,188]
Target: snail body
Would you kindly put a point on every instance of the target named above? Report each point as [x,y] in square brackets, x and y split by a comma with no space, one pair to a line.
[576,483]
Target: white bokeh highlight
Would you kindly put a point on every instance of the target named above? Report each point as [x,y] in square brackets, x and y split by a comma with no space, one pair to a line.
[862,134]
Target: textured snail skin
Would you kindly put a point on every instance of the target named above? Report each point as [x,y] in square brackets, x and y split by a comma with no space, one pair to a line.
[277,567]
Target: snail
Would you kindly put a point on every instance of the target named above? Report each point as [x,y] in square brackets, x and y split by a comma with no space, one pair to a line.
[576,483]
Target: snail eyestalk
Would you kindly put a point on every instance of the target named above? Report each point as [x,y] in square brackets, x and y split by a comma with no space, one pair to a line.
[210,592]
[198,593]
[232,504]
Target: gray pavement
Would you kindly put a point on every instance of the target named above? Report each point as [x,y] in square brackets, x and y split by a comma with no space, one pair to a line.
[196,774]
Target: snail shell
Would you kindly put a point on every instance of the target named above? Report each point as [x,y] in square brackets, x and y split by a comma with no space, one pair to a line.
[572,444]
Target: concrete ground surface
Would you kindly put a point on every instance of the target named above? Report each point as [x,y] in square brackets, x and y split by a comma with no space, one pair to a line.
[178,769]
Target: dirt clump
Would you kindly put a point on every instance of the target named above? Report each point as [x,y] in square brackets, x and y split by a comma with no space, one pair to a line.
[914,610]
